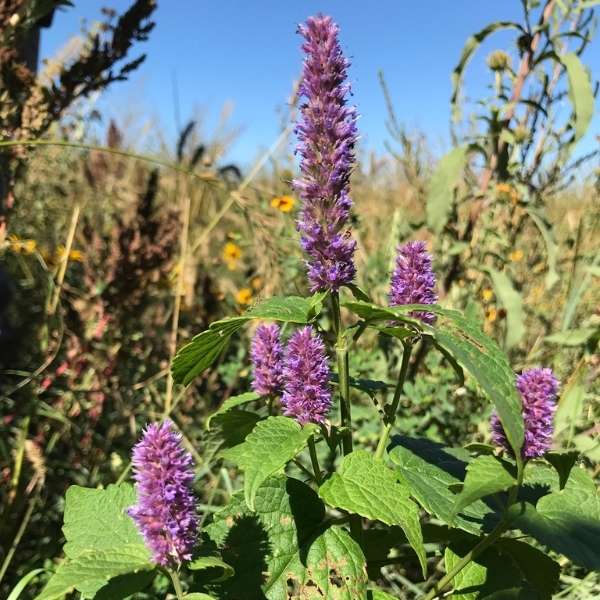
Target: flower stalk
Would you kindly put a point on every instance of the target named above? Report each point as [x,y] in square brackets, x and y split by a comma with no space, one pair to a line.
[391,410]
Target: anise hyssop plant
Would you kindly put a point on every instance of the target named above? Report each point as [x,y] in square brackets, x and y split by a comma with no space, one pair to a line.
[319,514]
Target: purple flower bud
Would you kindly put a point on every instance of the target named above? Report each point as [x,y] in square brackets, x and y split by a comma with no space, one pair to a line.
[538,389]
[267,361]
[307,396]
[326,137]
[413,280]
[165,512]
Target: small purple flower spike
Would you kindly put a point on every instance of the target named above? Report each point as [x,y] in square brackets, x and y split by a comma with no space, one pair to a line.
[413,280]
[165,513]
[538,389]
[326,137]
[266,354]
[307,396]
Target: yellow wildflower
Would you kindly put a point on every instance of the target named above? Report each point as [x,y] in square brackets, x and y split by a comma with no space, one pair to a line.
[283,203]
[491,314]
[231,255]
[21,246]
[487,294]
[244,296]
[506,191]
[76,255]
[516,255]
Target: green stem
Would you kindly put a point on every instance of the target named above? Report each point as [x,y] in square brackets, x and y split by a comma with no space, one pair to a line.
[466,559]
[314,459]
[391,410]
[341,351]
[484,543]
[176,583]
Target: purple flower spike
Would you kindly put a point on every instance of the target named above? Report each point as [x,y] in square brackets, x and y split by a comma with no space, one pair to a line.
[307,396]
[538,389]
[165,512]
[413,280]
[326,137]
[266,354]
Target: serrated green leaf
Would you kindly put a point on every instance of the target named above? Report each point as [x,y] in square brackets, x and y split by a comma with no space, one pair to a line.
[472,349]
[567,521]
[196,356]
[93,570]
[581,94]
[212,562]
[366,487]
[512,301]
[430,469]
[106,555]
[96,519]
[444,180]
[486,475]
[272,443]
[284,549]
[233,402]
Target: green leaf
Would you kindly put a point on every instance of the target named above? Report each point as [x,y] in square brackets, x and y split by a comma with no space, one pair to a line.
[545,228]
[212,562]
[581,94]
[97,519]
[93,570]
[570,405]
[472,349]
[366,487]
[106,556]
[512,301]
[444,180]
[233,427]
[233,402]
[194,358]
[23,583]
[488,574]
[567,521]
[536,566]
[272,443]
[430,469]
[563,462]
[572,337]
[486,475]
[469,49]
[284,549]
[198,596]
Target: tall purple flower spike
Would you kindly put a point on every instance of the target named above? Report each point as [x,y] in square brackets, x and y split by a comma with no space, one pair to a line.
[165,513]
[266,354]
[538,389]
[413,280]
[326,135]
[307,396]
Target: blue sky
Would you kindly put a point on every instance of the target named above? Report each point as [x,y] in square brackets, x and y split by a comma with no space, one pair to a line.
[247,53]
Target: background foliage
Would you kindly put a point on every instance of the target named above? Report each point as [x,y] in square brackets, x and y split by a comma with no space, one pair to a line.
[112,260]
